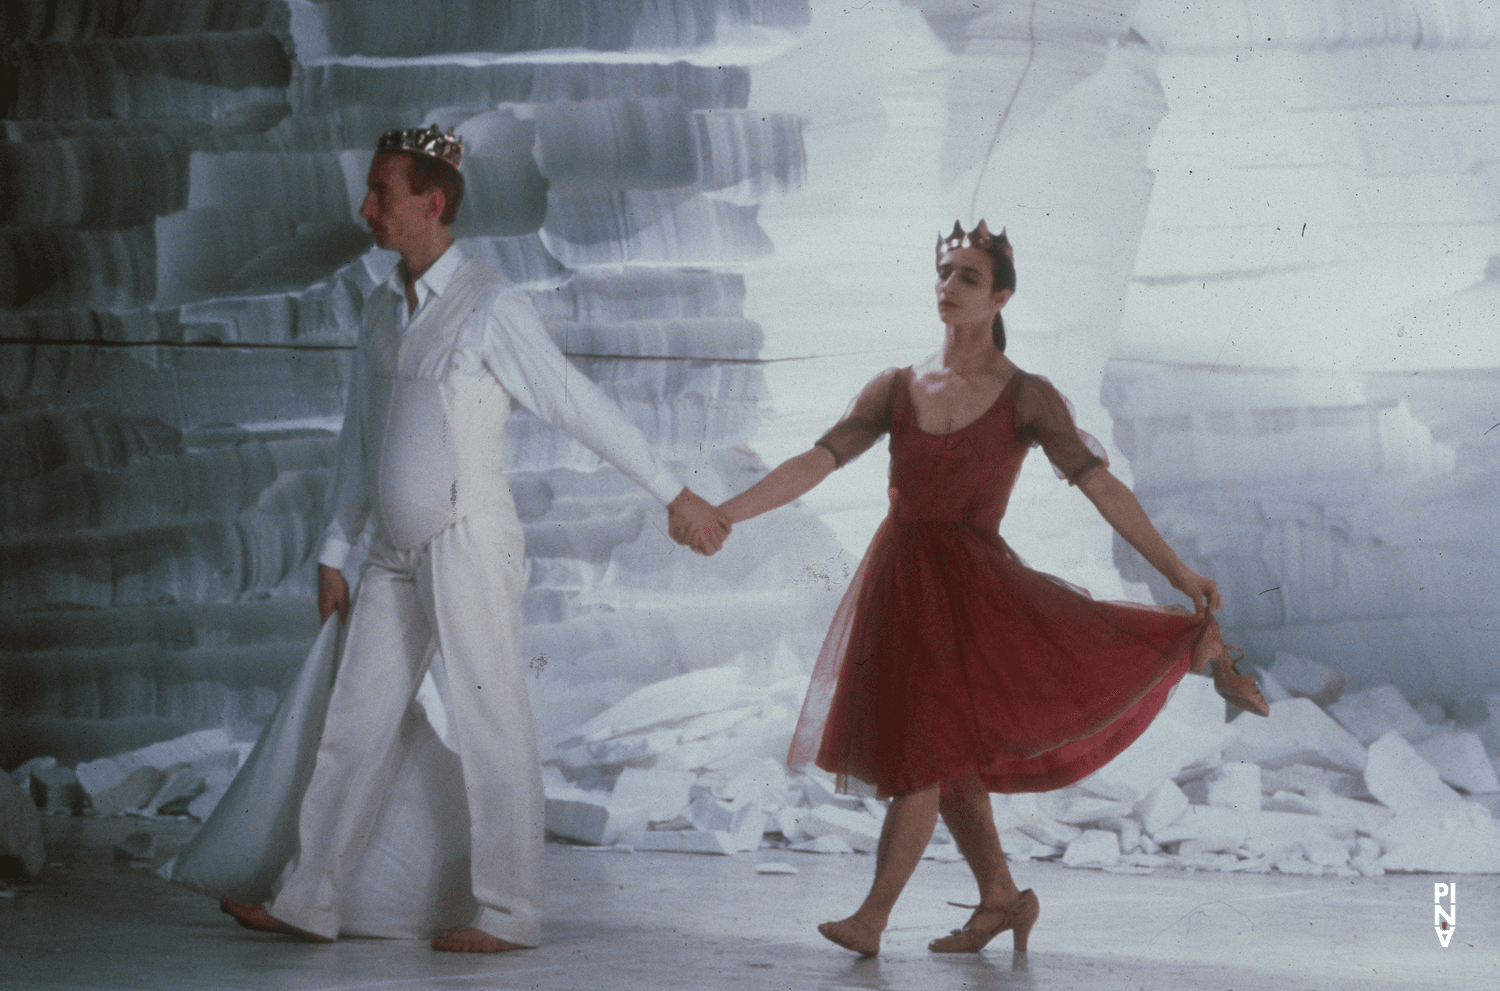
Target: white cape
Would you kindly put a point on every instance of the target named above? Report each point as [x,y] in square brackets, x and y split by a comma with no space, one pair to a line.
[412,881]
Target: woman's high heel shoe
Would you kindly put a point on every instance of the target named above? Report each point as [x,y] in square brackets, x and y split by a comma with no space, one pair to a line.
[1019,916]
[1237,689]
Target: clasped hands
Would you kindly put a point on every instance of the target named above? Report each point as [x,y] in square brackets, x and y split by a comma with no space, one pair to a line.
[697,523]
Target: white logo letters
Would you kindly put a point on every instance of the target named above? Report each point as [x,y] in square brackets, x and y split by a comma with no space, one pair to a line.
[1444,922]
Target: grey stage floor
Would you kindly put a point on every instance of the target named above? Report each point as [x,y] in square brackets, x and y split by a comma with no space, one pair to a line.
[672,921]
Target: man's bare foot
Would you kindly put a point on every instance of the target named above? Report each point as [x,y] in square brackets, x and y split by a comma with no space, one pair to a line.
[256,917]
[852,935]
[471,940]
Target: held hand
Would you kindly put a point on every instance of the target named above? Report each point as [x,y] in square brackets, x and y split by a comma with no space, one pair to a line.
[1203,591]
[694,522]
[333,594]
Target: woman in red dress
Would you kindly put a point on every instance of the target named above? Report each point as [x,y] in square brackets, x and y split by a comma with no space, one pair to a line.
[951,669]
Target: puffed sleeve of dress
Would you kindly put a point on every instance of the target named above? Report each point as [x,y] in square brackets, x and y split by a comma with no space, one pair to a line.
[1044,417]
[867,418]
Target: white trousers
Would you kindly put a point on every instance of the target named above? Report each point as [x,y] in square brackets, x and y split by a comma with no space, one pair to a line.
[460,594]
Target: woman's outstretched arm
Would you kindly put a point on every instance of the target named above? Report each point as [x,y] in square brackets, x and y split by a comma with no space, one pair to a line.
[789,480]
[1121,510]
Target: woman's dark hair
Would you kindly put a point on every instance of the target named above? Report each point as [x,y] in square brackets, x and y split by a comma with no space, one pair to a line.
[1003,277]
[425,172]
[1002,266]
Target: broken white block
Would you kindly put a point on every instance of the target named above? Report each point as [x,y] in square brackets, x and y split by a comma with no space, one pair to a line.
[216,784]
[1206,855]
[590,817]
[1306,678]
[554,781]
[858,829]
[1366,817]
[1165,804]
[1325,851]
[1402,780]
[1372,713]
[1236,785]
[631,748]
[1018,846]
[1049,832]
[1227,829]
[134,792]
[182,784]
[1308,780]
[1270,688]
[751,830]
[669,701]
[663,794]
[22,775]
[1128,830]
[21,828]
[1366,857]
[1290,801]
[189,783]
[1190,729]
[1088,809]
[829,843]
[708,814]
[98,776]
[60,793]
[763,780]
[788,819]
[1297,732]
[1093,847]
[680,841]
[1460,760]
[1455,839]
[817,789]
[774,867]
[1009,810]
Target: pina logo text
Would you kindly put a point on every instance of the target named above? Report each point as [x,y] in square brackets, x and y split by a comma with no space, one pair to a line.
[1444,920]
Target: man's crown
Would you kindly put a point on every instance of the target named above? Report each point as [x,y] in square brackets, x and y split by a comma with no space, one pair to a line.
[980,237]
[427,141]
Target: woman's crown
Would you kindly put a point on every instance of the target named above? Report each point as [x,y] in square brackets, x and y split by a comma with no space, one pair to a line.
[427,141]
[980,237]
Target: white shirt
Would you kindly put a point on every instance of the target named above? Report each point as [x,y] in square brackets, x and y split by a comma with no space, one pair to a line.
[503,340]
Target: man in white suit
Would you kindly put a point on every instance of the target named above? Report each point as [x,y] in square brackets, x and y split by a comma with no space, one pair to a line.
[446,346]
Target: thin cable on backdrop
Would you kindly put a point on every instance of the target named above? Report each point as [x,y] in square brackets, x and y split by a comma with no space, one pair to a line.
[1005,114]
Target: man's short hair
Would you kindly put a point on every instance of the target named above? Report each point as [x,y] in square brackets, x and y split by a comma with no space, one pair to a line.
[425,173]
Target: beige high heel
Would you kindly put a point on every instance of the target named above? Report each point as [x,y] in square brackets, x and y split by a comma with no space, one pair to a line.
[1019,916]
[1237,689]
[1211,655]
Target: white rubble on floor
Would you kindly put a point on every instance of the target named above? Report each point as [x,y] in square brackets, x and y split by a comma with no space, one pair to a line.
[1460,760]
[1305,678]
[1094,847]
[1296,793]
[183,776]
[1236,785]
[1190,730]
[1372,713]
[1401,780]
[1296,732]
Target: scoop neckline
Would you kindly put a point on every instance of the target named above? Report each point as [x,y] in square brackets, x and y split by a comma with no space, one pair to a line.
[912,406]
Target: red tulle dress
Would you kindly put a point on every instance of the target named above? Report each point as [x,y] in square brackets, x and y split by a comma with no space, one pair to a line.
[948,655]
